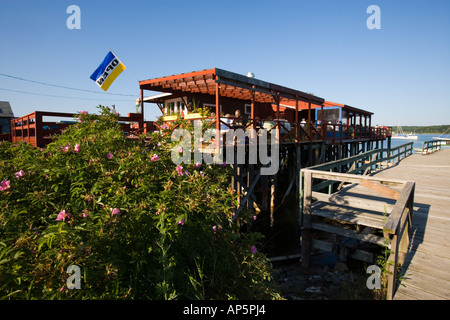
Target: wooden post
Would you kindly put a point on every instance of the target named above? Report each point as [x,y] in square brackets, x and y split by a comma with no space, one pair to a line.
[21,127]
[392,268]
[28,132]
[300,185]
[309,119]
[404,240]
[252,116]
[39,130]
[298,166]
[250,178]
[273,190]
[142,103]
[252,108]
[324,132]
[141,122]
[277,99]
[306,219]
[239,185]
[236,173]
[297,138]
[217,110]
[406,237]
[218,133]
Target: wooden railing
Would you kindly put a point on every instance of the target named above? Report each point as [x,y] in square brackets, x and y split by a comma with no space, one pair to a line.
[398,230]
[342,132]
[364,163]
[397,226]
[431,146]
[301,132]
[32,129]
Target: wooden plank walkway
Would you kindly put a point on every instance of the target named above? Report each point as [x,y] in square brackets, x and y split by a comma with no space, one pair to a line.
[426,271]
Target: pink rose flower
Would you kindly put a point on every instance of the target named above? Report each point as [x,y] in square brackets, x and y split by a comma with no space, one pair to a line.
[179,170]
[19,174]
[4,185]
[62,216]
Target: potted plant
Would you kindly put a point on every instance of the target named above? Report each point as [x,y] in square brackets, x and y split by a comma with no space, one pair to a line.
[193,115]
[197,112]
[169,116]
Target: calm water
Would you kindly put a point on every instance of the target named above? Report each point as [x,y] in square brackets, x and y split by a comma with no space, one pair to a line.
[418,143]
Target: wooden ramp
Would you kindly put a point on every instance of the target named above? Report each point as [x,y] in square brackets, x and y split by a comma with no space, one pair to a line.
[426,270]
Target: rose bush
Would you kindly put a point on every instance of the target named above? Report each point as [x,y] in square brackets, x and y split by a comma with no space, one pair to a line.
[137,225]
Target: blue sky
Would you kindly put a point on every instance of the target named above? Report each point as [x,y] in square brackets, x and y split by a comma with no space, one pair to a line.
[399,72]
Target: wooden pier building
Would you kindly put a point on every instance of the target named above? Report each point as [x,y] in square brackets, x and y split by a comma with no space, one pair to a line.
[312,131]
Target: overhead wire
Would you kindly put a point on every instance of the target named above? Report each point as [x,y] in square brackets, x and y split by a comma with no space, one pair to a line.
[62,87]
[56,96]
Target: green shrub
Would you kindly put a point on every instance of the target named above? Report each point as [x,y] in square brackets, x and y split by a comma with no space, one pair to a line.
[136,225]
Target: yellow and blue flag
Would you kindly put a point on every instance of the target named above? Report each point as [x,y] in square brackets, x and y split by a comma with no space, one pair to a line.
[108,71]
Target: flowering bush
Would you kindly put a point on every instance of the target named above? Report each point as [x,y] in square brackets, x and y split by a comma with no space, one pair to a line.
[137,225]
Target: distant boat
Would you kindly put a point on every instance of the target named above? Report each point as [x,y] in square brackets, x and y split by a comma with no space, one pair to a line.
[401,135]
[445,141]
[440,138]
[404,136]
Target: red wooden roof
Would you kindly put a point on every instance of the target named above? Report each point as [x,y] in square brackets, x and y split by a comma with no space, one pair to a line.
[303,105]
[231,85]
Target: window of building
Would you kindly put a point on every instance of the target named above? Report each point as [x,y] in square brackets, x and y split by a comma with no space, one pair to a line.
[175,107]
[248,109]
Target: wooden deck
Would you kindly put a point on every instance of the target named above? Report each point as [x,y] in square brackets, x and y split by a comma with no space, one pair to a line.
[426,270]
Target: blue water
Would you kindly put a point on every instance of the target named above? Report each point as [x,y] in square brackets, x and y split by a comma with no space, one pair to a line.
[418,143]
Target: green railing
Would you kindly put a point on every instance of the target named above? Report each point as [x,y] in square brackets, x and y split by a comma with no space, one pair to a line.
[431,146]
[364,163]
